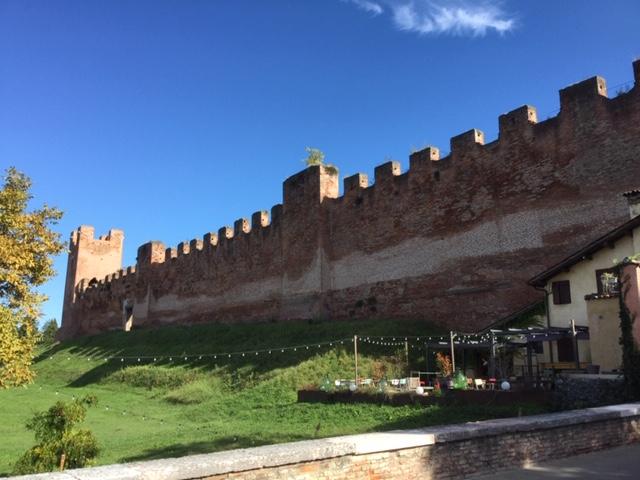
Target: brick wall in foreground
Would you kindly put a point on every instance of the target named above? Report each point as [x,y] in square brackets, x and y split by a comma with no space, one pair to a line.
[457,459]
[431,453]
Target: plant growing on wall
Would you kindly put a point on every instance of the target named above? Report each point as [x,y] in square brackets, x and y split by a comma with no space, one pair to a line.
[315,156]
[630,353]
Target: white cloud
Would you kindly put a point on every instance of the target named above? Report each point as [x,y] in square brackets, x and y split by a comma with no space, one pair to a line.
[368,6]
[454,17]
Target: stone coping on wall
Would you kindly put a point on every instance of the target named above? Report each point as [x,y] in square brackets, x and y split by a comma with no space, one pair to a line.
[595,376]
[269,456]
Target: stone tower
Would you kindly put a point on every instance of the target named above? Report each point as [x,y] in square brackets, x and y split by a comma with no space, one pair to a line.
[90,261]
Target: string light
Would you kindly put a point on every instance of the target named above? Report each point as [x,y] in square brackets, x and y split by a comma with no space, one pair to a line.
[107,408]
[413,342]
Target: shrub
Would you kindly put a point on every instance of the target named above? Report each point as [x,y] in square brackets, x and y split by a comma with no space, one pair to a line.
[195,392]
[460,381]
[59,445]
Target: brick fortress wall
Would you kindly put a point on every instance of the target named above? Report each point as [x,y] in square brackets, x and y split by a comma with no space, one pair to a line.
[451,241]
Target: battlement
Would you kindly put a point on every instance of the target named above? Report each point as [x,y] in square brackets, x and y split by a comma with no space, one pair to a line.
[304,249]
[424,158]
[86,233]
[355,182]
[150,253]
[259,219]
[310,187]
[463,143]
[119,280]
[583,93]
[385,172]
[518,122]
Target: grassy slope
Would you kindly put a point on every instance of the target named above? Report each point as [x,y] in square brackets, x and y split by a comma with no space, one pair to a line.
[208,405]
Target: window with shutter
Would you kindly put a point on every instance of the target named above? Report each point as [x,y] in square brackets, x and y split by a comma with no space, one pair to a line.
[561,292]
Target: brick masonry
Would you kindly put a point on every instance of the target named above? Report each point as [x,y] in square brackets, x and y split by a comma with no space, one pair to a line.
[433,453]
[451,241]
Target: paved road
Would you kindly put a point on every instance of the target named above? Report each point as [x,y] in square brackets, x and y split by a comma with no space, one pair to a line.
[617,464]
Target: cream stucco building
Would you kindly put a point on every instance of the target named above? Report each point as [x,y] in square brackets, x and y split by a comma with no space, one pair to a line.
[584,288]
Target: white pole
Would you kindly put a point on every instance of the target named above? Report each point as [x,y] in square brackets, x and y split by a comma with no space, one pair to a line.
[453,353]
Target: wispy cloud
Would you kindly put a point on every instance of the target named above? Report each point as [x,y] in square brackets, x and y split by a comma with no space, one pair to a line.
[453,17]
[368,6]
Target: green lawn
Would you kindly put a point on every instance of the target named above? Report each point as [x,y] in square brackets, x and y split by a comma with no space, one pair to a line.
[168,408]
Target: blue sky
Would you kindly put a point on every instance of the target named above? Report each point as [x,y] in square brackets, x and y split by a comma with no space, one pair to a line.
[170,119]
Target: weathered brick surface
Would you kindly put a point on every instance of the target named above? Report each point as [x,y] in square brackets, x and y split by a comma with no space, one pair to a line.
[451,240]
[458,459]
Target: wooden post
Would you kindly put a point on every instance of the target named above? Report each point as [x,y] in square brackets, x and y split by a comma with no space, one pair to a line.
[355,354]
[63,458]
[453,353]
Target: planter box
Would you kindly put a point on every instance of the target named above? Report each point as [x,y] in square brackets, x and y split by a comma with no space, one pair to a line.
[312,396]
[448,397]
[346,396]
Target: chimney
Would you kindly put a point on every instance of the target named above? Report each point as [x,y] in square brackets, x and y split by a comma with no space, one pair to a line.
[633,200]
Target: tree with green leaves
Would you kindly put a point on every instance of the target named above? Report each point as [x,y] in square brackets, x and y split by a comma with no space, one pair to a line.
[27,245]
[48,332]
[60,445]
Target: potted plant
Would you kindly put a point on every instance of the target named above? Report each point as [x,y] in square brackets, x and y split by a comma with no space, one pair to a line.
[445,368]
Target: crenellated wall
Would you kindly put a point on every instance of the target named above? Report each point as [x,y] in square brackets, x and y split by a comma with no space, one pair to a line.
[452,240]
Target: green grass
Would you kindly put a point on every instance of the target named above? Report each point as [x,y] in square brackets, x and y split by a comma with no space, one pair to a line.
[153,410]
